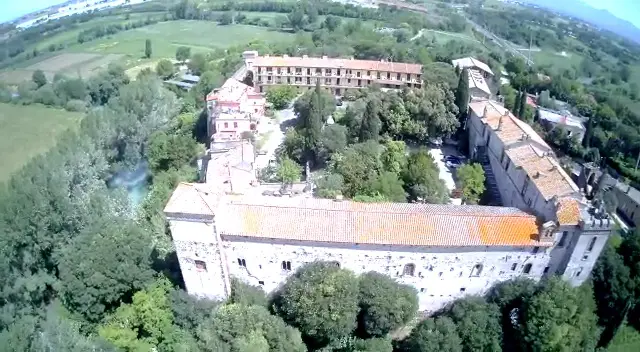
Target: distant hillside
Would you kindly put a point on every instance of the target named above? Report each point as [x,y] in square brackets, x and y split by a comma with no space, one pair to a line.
[600,18]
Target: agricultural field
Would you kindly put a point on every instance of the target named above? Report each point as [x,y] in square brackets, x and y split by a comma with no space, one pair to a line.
[27,131]
[200,36]
[70,64]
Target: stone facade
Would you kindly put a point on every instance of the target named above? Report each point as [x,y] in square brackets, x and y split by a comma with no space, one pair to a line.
[231,227]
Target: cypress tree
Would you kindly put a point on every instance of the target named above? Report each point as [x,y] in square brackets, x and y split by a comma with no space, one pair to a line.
[462,96]
[522,105]
[312,124]
[371,123]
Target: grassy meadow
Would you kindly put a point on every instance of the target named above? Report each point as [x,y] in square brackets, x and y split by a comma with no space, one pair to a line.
[27,131]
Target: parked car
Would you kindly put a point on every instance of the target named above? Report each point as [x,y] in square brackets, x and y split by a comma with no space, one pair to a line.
[262,152]
[453,163]
[436,142]
[452,158]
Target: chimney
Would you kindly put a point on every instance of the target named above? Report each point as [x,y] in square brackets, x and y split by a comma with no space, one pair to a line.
[305,56]
[324,57]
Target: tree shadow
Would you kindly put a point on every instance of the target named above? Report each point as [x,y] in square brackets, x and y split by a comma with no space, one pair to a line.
[169,266]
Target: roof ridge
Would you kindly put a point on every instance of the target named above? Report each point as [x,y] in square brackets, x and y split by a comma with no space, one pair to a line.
[524,215]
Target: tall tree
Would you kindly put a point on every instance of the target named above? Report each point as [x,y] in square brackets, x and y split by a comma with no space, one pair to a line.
[462,96]
[561,318]
[102,265]
[147,48]
[371,123]
[183,53]
[472,178]
[237,327]
[385,304]
[38,77]
[422,180]
[522,108]
[165,69]
[311,110]
[478,324]
[322,301]
[433,335]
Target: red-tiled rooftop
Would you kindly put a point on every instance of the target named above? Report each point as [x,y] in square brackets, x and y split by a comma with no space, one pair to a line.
[352,64]
[321,220]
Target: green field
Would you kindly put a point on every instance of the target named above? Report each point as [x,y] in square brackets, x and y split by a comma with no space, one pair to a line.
[26,131]
[200,36]
[626,340]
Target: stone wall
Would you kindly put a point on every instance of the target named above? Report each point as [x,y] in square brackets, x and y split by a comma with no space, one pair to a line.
[440,275]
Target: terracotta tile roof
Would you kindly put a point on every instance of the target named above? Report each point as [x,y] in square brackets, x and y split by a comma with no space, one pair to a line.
[544,171]
[190,198]
[526,149]
[318,62]
[322,220]
[568,212]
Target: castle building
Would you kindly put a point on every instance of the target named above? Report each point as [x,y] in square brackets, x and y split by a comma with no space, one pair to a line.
[338,75]
[231,226]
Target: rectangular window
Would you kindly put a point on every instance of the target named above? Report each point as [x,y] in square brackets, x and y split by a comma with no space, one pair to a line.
[408,77]
[242,262]
[527,269]
[288,69]
[338,81]
[339,72]
[226,125]
[514,266]
[388,75]
[585,257]
[563,239]
[289,80]
[260,283]
[378,75]
[592,244]
[579,272]
[397,76]
[359,83]
[535,250]
[462,289]
[358,74]
[259,70]
[349,80]
[308,71]
[235,125]
[286,265]
[369,73]
[546,270]
[279,70]
[200,265]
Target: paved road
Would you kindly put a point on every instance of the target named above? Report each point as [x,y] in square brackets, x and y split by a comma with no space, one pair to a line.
[276,136]
[504,44]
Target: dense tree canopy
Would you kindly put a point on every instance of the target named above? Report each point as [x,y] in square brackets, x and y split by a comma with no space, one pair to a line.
[322,301]
[385,305]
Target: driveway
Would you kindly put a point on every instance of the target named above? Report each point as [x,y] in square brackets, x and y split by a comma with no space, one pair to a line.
[445,173]
[275,133]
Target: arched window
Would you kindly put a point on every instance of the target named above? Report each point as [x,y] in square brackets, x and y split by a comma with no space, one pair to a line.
[527,269]
[286,265]
[409,269]
[477,270]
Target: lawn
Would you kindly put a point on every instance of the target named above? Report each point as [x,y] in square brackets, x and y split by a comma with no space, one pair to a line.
[27,131]
[200,36]
[627,339]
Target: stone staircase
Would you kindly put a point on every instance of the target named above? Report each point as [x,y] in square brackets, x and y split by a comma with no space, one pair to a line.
[492,193]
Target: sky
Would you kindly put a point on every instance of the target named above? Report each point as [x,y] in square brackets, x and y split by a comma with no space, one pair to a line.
[626,9]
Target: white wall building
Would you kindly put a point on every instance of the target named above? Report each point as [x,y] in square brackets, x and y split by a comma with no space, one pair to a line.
[473,64]
[227,227]
[478,88]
